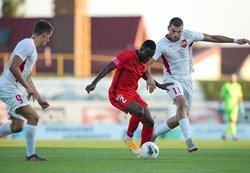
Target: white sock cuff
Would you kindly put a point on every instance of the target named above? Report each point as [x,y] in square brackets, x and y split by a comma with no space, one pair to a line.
[30,131]
[8,127]
[127,137]
[161,129]
[185,128]
[5,129]
[183,120]
[31,126]
[30,139]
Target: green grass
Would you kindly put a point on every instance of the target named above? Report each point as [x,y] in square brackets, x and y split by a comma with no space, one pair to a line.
[103,156]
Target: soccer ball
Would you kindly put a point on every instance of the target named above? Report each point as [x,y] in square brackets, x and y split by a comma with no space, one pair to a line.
[149,150]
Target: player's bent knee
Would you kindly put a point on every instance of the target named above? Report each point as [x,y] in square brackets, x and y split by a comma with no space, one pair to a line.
[33,120]
[17,128]
[139,112]
[151,123]
[148,123]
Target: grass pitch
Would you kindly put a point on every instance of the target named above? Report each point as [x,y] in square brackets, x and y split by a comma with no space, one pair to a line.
[104,156]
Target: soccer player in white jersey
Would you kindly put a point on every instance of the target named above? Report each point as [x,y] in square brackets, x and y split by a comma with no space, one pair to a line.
[176,53]
[16,75]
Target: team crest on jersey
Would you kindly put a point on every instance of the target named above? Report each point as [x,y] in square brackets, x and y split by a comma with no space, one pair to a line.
[184,43]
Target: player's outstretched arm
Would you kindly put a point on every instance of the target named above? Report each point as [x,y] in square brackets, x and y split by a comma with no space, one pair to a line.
[157,84]
[43,103]
[242,41]
[163,86]
[150,80]
[224,39]
[110,67]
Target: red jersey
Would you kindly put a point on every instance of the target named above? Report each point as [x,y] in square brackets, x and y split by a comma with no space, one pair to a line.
[129,70]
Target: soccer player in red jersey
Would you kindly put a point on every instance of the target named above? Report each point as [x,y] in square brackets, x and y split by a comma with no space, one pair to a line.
[131,66]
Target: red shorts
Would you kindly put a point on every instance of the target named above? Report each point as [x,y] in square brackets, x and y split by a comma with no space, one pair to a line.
[121,100]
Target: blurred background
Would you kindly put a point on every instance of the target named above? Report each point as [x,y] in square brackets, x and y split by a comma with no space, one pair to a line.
[90,33]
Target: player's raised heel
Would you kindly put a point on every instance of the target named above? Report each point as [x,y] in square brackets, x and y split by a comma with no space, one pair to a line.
[35,157]
[191,147]
[133,147]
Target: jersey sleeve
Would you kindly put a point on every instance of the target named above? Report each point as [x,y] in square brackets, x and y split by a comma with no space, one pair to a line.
[24,49]
[158,52]
[120,60]
[196,36]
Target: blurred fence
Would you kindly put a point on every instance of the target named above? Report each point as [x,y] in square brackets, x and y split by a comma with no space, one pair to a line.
[56,64]
[62,64]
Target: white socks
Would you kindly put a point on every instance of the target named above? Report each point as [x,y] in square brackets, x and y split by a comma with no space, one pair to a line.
[185,128]
[5,129]
[30,139]
[161,129]
[30,136]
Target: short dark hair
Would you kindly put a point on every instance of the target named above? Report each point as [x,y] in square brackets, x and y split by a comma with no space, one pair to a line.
[42,26]
[150,44]
[176,21]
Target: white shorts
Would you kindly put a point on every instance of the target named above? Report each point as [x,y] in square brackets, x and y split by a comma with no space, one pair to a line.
[14,99]
[181,87]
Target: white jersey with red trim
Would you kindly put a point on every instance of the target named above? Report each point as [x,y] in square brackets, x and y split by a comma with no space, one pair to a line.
[177,56]
[26,50]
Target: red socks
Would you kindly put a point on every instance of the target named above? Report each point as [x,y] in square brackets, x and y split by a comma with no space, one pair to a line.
[146,134]
[133,124]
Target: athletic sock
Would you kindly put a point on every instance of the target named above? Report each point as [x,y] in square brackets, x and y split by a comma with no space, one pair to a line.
[185,128]
[161,129]
[127,138]
[30,139]
[133,124]
[228,128]
[233,129]
[5,129]
[146,134]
